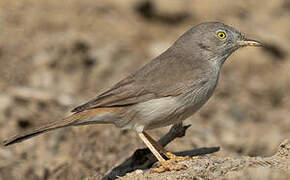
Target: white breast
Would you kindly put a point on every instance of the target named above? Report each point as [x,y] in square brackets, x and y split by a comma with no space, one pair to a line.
[153,113]
[157,108]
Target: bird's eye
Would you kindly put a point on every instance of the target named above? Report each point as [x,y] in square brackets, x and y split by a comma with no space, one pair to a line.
[221,35]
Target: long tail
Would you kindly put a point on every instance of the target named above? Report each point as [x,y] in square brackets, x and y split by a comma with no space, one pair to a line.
[69,121]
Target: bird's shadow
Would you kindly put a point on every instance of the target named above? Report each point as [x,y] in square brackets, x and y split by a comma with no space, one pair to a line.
[144,159]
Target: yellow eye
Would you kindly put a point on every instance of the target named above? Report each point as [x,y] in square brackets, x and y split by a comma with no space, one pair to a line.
[221,35]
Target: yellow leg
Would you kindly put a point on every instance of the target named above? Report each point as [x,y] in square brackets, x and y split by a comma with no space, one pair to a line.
[165,165]
[151,147]
[172,157]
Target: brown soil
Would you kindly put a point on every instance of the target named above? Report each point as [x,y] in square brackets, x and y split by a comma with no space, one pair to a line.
[217,167]
[55,55]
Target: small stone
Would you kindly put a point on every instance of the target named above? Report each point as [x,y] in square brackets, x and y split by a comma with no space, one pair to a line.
[5,101]
[139,171]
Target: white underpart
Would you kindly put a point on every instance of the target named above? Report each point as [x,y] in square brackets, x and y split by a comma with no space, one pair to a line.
[153,108]
[152,111]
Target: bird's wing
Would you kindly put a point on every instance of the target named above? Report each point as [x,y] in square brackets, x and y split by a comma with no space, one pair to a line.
[124,93]
[160,78]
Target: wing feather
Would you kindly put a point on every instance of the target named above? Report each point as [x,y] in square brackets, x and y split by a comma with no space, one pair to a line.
[159,78]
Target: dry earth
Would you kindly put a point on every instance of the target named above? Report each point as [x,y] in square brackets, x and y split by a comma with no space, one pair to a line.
[213,167]
[55,55]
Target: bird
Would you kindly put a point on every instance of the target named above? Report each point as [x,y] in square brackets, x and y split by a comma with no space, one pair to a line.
[165,91]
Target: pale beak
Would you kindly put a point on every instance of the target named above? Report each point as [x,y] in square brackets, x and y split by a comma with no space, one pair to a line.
[248,42]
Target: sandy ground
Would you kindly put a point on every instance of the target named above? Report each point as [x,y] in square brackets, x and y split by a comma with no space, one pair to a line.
[55,55]
[217,167]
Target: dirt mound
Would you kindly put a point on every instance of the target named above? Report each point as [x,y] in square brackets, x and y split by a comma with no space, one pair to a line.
[214,167]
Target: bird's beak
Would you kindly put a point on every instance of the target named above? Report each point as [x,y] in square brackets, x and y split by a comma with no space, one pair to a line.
[248,42]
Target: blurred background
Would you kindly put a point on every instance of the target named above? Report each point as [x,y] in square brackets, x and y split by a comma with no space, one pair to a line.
[55,55]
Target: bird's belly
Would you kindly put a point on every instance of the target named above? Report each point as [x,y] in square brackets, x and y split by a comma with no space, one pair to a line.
[157,113]
[151,114]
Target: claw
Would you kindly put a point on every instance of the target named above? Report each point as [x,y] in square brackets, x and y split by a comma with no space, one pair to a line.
[168,166]
[174,158]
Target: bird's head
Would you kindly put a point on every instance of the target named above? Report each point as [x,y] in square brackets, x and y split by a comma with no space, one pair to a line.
[215,40]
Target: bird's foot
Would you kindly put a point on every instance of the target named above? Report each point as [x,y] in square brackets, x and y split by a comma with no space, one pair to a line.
[173,158]
[168,166]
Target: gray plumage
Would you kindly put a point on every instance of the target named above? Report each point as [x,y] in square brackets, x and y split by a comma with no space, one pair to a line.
[167,90]
[192,58]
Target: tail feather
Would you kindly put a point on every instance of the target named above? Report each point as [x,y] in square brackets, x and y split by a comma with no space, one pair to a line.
[45,128]
[69,121]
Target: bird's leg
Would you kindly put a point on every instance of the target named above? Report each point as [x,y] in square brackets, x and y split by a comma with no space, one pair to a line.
[172,157]
[165,165]
[151,147]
